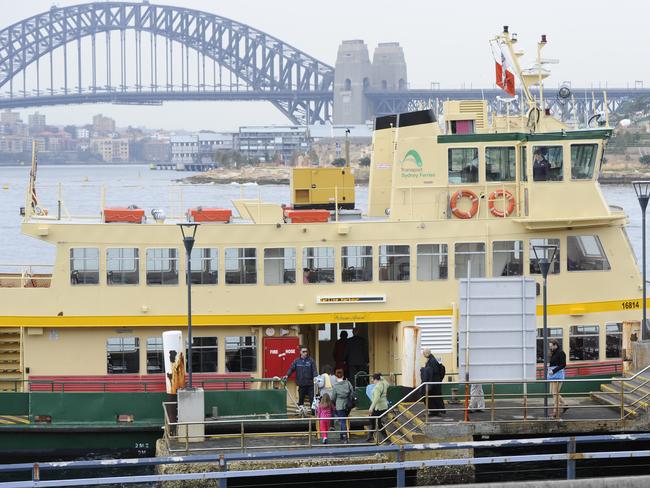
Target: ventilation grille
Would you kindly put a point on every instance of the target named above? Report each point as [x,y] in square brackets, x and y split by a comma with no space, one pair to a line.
[436,333]
[476,110]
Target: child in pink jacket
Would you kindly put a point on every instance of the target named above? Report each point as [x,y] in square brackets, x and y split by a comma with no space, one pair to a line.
[325,413]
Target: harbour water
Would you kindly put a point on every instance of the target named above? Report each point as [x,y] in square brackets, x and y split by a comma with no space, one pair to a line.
[81,189]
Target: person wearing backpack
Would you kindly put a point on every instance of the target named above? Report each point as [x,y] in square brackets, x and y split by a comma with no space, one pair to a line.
[433,371]
[343,399]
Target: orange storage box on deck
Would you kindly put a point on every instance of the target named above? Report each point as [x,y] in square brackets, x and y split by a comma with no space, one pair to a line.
[307,216]
[209,214]
[124,215]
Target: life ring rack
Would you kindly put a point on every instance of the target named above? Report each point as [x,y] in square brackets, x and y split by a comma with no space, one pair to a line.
[498,194]
[463,214]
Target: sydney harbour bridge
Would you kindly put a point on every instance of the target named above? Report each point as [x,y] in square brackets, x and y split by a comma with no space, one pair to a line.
[141,53]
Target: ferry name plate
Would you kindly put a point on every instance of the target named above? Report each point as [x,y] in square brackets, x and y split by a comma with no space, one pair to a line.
[351,299]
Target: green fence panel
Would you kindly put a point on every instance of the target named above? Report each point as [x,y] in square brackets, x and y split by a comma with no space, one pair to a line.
[97,407]
[246,402]
[14,403]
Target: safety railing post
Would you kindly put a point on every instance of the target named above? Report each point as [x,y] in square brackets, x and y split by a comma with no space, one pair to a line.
[223,482]
[36,472]
[187,437]
[492,412]
[309,433]
[622,400]
[571,462]
[426,402]
[401,472]
[241,431]
[376,430]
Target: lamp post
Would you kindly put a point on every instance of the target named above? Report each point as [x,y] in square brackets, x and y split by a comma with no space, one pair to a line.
[542,253]
[642,189]
[188,230]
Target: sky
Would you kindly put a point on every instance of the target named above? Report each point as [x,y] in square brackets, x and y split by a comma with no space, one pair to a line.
[598,43]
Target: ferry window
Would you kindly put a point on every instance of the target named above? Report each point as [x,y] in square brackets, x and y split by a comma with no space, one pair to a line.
[507,258]
[84,265]
[614,340]
[204,354]
[318,265]
[241,354]
[155,360]
[162,266]
[279,266]
[356,263]
[241,265]
[500,164]
[324,332]
[123,355]
[522,164]
[122,266]
[432,262]
[547,163]
[463,165]
[553,333]
[583,161]
[534,266]
[205,266]
[470,252]
[394,263]
[585,253]
[583,343]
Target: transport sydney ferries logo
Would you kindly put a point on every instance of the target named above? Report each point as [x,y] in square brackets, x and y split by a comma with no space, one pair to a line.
[412,165]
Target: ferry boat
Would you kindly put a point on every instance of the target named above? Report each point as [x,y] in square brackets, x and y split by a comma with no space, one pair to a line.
[473,190]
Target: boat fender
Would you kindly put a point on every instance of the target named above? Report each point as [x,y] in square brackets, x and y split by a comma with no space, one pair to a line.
[463,214]
[499,194]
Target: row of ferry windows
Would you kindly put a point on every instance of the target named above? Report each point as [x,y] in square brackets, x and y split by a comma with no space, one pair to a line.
[500,162]
[584,253]
[584,342]
[123,355]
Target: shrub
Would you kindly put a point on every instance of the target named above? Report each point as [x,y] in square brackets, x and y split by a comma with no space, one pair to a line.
[645,159]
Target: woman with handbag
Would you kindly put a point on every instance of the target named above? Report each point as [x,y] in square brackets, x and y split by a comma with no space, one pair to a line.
[343,399]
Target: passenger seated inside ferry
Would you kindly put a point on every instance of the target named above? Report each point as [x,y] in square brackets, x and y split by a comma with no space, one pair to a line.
[463,165]
[547,163]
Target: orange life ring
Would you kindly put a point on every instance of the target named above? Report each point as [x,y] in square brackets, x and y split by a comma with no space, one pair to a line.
[463,214]
[497,194]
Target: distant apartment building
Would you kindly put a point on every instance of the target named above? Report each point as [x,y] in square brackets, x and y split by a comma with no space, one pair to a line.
[200,147]
[263,142]
[12,144]
[156,151]
[111,150]
[82,133]
[103,125]
[36,122]
[9,118]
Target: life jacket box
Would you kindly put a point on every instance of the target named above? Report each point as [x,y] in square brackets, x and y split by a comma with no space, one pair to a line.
[210,215]
[307,216]
[124,215]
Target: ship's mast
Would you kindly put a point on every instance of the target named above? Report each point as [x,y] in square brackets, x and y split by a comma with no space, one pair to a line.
[506,39]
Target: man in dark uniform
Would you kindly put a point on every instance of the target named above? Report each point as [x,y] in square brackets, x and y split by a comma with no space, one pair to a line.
[356,357]
[306,371]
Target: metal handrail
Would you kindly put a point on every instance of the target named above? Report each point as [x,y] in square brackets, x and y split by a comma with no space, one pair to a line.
[628,378]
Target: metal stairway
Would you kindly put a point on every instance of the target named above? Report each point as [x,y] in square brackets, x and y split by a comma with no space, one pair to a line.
[630,393]
[10,364]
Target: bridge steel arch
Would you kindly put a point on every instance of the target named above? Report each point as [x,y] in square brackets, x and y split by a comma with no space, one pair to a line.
[270,68]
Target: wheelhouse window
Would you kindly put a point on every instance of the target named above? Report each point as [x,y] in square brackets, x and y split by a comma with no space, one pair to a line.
[123,266]
[463,165]
[162,266]
[523,172]
[394,263]
[547,163]
[614,340]
[432,263]
[470,255]
[583,161]
[241,265]
[553,333]
[205,266]
[84,265]
[279,266]
[123,355]
[507,258]
[356,263]
[585,253]
[534,265]
[500,164]
[155,360]
[583,343]
[204,354]
[241,354]
[318,265]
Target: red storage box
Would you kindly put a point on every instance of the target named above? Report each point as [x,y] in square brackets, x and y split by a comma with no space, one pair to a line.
[307,216]
[125,215]
[210,215]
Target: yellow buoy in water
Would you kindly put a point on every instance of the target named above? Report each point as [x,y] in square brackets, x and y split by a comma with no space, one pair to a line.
[86,178]
[5,187]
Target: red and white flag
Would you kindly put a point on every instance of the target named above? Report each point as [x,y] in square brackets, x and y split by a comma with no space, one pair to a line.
[505,78]
[32,178]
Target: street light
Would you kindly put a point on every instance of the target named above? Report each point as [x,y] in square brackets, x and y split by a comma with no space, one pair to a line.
[642,189]
[188,230]
[542,253]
